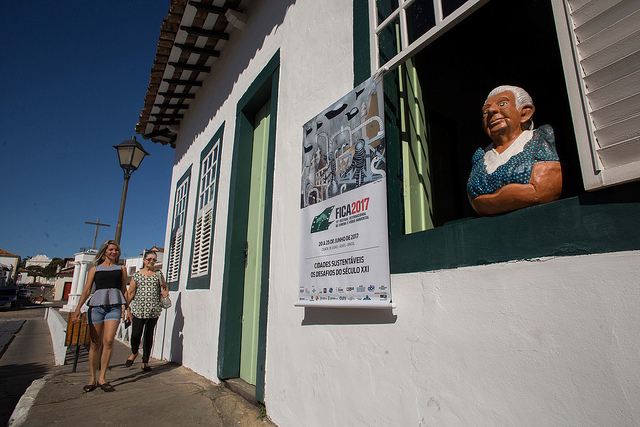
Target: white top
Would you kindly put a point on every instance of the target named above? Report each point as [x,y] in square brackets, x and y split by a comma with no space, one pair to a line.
[493,159]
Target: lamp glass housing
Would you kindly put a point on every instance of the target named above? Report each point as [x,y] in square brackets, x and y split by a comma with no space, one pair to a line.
[130,154]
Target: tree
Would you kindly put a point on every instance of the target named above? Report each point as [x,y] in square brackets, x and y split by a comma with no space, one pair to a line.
[23,262]
[51,269]
[35,270]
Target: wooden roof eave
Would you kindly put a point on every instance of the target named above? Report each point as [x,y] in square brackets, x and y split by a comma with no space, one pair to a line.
[182,60]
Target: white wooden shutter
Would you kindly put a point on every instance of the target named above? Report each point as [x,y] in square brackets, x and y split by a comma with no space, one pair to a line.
[606,38]
[202,244]
[175,250]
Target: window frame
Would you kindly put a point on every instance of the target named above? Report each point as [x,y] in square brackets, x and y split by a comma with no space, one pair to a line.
[473,242]
[180,208]
[202,281]
[595,175]
[407,49]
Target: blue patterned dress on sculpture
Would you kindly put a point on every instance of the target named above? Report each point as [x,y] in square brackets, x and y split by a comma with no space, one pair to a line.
[517,169]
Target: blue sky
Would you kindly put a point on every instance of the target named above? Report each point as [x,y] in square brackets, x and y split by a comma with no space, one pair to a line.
[73,79]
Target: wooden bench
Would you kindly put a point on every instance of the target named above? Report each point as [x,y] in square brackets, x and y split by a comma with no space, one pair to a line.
[77,334]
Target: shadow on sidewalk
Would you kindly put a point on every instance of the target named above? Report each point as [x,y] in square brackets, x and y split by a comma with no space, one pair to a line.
[14,381]
[140,374]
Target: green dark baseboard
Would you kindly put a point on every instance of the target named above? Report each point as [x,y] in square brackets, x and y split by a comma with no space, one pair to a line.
[602,221]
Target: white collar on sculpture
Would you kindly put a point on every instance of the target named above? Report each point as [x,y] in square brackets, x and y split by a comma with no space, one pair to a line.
[493,159]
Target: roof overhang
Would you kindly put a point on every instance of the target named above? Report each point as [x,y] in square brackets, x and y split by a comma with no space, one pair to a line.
[192,39]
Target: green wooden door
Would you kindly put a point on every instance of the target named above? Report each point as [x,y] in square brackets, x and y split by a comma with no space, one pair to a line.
[255,231]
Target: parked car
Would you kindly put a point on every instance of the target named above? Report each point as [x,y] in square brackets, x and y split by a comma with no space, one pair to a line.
[9,293]
[24,296]
[24,293]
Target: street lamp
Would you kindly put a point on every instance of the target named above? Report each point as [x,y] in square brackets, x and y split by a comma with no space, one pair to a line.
[130,154]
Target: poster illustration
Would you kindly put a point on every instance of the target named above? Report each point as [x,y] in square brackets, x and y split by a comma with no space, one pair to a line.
[344,251]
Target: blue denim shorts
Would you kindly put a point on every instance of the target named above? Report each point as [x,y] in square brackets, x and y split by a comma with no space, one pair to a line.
[102,313]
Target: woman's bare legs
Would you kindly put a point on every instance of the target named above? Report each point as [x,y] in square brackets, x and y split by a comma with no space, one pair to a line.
[96,331]
[109,334]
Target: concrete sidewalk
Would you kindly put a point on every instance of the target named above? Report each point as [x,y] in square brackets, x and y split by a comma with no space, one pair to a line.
[167,395]
[27,357]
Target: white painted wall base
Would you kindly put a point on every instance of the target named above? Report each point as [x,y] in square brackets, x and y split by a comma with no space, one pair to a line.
[58,330]
[548,342]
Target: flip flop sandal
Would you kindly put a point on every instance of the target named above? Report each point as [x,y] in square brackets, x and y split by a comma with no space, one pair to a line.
[89,387]
[106,387]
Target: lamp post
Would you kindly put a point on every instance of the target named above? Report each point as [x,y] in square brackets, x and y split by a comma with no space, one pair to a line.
[130,154]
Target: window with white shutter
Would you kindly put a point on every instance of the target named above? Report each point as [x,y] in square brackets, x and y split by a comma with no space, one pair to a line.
[444,56]
[205,212]
[580,61]
[600,45]
[602,49]
[177,231]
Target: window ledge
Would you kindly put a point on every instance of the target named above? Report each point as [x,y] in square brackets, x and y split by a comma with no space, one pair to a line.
[598,222]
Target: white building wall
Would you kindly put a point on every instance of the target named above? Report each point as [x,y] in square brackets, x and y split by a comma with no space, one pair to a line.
[59,286]
[548,342]
[83,261]
[304,75]
[543,342]
[12,263]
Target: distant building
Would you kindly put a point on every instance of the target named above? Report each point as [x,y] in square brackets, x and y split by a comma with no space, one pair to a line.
[64,280]
[82,264]
[23,277]
[5,274]
[10,262]
[39,260]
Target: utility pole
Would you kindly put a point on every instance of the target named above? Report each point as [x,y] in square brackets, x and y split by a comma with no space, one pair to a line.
[98,224]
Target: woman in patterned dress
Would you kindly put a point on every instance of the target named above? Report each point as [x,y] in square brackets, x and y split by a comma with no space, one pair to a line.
[143,296]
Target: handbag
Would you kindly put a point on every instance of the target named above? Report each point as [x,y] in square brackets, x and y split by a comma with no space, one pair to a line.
[165,301]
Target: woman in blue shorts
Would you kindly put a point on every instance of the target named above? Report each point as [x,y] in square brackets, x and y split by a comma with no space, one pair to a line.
[105,309]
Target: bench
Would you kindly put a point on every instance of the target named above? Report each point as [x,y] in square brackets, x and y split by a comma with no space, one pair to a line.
[77,334]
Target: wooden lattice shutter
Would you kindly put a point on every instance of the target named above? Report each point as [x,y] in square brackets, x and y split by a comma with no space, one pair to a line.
[606,37]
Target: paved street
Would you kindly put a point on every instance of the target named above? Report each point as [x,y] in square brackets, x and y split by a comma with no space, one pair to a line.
[7,330]
[25,362]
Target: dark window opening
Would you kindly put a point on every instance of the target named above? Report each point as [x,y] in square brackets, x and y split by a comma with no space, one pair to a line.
[420,19]
[437,97]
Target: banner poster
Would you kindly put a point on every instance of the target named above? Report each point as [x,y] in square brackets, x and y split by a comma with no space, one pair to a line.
[344,247]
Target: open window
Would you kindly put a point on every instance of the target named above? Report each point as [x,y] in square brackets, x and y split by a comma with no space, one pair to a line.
[435,97]
[439,79]
[202,253]
[177,230]
[579,60]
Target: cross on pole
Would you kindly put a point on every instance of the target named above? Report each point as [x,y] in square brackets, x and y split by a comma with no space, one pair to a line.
[97,224]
